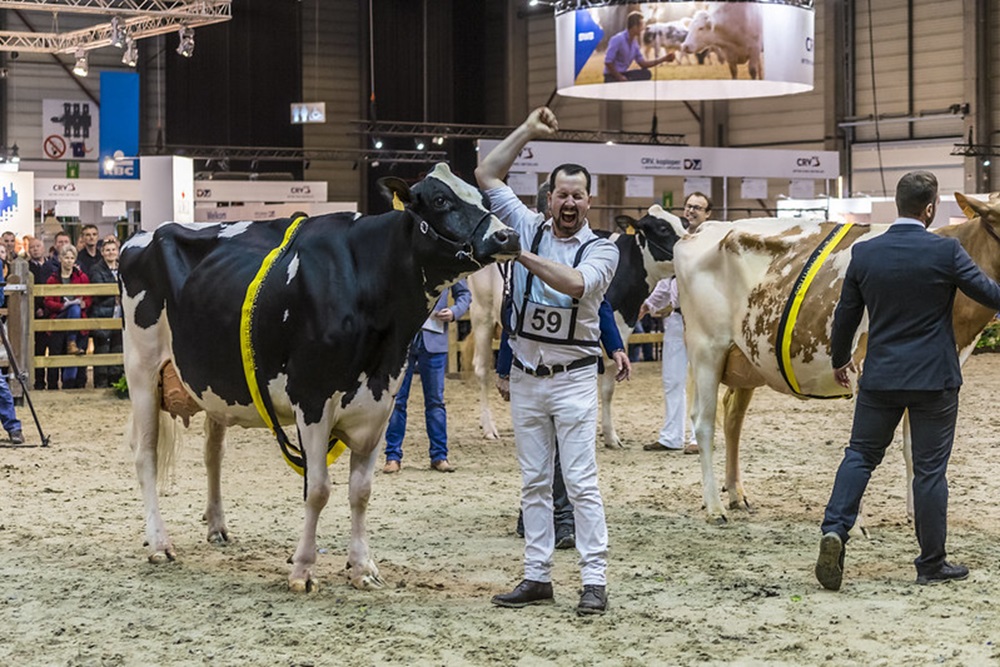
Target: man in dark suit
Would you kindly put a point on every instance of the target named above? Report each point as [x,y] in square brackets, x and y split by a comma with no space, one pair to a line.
[907,279]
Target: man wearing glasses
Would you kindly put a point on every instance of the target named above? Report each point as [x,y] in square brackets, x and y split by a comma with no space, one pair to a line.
[697,207]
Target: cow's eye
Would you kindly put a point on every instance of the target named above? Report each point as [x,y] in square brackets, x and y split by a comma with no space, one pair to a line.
[440,201]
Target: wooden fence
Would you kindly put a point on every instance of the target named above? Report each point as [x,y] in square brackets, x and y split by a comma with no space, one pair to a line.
[22,324]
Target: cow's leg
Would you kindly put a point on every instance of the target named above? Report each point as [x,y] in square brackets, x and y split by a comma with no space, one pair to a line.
[607,380]
[732,67]
[313,441]
[706,364]
[215,446]
[482,330]
[363,571]
[145,439]
[735,404]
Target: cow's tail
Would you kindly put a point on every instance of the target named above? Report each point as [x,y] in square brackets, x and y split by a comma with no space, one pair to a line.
[168,445]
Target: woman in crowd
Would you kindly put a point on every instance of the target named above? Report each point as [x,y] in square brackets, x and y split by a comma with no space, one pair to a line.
[66,307]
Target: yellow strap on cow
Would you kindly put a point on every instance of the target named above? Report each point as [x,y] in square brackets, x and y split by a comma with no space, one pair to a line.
[786,327]
[336,447]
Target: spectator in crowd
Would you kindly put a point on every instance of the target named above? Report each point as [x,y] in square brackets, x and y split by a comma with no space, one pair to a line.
[624,49]
[36,263]
[9,240]
[66,307]
[88,252]
[53,264]
[663,301]
[428,354]
[106,340]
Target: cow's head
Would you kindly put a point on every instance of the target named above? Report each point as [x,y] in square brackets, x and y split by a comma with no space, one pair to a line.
[454,219]
[656,233]
[700,34]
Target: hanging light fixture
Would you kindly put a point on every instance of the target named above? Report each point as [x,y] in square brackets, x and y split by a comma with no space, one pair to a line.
[131,55]
[81,68]
[119,36]
[186,45]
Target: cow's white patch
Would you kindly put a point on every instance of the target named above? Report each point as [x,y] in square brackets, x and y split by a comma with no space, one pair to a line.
[293,268]
[465,192]
[234,229]
[357,215]
[494,227]
[138,241]
[285,316]
[676,223]
[195,226]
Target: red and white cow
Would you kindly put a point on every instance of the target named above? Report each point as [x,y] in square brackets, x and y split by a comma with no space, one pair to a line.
[299,321]
[755,316]
[734,30]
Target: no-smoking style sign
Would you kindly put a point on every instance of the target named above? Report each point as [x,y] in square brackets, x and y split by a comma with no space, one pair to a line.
[70,129]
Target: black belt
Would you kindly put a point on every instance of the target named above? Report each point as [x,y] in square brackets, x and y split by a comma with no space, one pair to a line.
[545,371]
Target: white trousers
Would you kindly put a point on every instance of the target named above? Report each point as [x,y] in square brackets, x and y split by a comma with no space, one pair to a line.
[675,414]
[561,408]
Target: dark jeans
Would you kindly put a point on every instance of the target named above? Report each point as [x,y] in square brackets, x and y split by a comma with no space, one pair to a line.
[932,426]
[631,75]
[432,366]
[105,342]
[562,509]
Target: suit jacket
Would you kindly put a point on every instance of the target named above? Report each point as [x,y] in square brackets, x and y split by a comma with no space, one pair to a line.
[436,343]
[907,279]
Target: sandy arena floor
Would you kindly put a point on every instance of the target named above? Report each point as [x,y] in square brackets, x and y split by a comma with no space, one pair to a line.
[76,589]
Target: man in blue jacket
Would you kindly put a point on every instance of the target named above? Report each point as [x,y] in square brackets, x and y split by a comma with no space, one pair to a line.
[906,278]
[429,354]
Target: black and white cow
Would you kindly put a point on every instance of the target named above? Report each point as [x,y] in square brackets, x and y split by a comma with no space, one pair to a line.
[302,321]
[644,258]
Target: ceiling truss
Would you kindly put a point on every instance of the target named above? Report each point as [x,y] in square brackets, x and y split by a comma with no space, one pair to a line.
[140,19]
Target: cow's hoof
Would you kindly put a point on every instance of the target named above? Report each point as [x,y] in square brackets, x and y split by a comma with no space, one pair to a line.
[614,443]
[164,556]
[368,582]
[302,585]
[718,519]
[491,435]
[219,537]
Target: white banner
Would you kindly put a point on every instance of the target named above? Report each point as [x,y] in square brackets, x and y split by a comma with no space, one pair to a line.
[86,189]
[697,184]
[639,186]
[652,160]
[802,189]
[525,185]
[260,191]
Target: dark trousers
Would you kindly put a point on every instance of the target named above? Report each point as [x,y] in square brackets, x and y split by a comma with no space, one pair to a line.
[105,342]
[932,427]
[562,508]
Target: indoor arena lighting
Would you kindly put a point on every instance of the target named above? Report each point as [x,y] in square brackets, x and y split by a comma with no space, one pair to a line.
[118,35]
[186,45]
[131,55]
[81,68]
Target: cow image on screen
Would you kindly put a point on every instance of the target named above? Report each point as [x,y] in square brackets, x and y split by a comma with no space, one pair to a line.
[302,321]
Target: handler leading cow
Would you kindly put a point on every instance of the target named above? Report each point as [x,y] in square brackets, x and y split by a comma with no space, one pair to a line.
[302,321]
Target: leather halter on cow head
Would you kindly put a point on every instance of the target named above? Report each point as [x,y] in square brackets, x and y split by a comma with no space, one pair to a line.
[656,232]
[454,217]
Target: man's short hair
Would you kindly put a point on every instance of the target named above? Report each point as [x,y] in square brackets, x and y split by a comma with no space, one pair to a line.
[569,169]
[634,19]
[914,192]
[696,193]
[88,226]
[62,233]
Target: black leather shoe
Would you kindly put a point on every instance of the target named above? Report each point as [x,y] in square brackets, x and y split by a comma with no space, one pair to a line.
[16,437]
[527,592]
[947,572]
[830,564]
[565,539]
[593,600]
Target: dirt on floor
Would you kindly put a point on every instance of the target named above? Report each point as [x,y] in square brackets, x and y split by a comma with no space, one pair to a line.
[76,588]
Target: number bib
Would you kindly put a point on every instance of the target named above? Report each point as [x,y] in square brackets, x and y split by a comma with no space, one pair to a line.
[542,322]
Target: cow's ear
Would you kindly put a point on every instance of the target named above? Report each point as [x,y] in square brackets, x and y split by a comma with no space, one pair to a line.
[971,207]
[626,223]
[395,190]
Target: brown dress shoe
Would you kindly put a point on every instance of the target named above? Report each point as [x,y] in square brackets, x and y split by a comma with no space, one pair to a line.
[443,466]
[691,449]
[390,467]
[658,447]
[527,592]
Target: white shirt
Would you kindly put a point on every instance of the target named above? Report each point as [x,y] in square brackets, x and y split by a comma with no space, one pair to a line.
[597,267]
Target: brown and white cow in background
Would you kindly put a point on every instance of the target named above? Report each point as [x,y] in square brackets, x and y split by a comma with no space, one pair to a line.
[735,281]
[733,30]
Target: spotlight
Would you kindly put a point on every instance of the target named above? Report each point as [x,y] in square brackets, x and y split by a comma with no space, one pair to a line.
[118,35]
[438,141]
[81,68]
[378,144]
[186,45]
[15,157]
[986,162]
[131,55]
[419,144]
[108,164]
